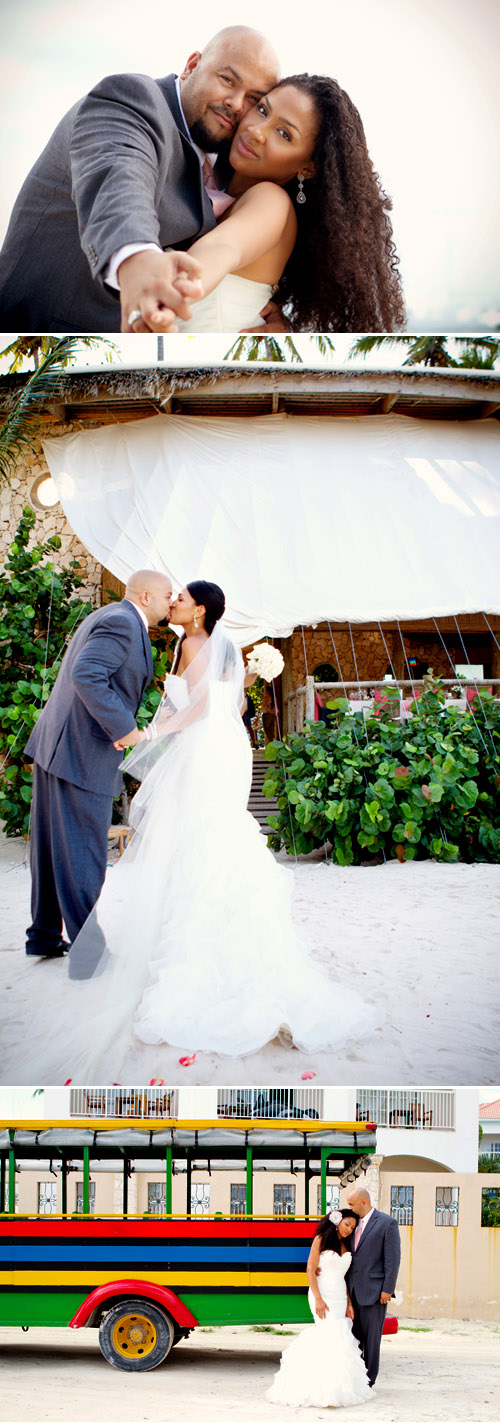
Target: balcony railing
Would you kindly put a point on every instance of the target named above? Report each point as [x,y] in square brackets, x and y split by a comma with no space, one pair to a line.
[152,1102]
[416,1108]
[279,1102]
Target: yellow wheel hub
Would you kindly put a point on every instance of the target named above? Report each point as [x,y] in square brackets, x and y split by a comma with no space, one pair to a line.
[134,1336]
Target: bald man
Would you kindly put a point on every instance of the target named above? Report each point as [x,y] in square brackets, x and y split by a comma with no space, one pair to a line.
[371,1278]
[121,179]
[94,702]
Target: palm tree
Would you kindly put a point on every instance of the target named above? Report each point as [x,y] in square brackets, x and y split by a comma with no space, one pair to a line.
[51,356]
[477,353]
[271,348]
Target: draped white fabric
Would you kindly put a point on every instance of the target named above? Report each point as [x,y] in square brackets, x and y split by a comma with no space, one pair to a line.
[298,519]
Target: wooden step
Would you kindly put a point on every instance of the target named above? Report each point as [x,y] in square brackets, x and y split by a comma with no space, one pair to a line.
[258,804]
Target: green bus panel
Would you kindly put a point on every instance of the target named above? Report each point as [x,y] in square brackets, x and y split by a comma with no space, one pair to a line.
[39,1307]
[248,1308]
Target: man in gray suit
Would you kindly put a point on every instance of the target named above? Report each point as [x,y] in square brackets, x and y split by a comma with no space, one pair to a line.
[93,703]
[371,1278]
[121,179]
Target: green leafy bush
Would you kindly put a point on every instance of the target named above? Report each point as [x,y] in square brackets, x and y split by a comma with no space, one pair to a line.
[410,790]
[38,616]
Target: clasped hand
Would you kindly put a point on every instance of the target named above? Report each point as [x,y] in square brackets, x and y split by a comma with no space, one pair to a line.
[131,739]
[159,286]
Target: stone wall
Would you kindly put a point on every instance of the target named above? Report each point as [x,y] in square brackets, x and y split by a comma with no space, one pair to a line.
[371,656]
[370,659]
[14,495]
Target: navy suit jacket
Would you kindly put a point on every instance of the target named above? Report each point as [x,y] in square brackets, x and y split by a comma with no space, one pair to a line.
[375,1263]
[94,701]
[119,168]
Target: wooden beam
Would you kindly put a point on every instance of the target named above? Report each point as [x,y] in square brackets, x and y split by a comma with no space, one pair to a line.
[387,403]
[490,407]
[275,402]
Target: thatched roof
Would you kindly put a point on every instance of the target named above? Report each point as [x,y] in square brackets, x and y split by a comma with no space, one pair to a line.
[262,389]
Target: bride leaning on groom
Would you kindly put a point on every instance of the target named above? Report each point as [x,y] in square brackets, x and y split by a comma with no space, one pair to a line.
[258,188]
[352,1270]
[159,953]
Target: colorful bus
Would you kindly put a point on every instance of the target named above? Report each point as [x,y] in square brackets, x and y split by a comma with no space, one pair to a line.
[144,1282]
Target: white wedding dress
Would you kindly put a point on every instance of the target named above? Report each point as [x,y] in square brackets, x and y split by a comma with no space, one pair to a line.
[323,1367]
[232,306]
[200,948]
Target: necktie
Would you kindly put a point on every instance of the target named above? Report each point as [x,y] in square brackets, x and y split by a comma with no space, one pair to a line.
[219,200]
[357,1235]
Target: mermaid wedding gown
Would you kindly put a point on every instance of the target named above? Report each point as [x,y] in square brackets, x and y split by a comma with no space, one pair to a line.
[191,942]
[323,1367]
[234,304]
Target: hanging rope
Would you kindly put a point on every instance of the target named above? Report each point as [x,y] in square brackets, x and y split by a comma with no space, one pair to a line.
[354,727]
[387,653]
[488,625]
[452,664]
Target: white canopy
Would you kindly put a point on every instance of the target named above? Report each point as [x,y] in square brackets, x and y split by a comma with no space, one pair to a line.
[298,519]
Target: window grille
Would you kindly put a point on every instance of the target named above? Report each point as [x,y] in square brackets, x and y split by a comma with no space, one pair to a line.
[402,1204]
[79,1197]
[157,1198]
[238,1198]
[332,1198]
[283,1200]
[47,1197]
[447,1198]
[200,1199]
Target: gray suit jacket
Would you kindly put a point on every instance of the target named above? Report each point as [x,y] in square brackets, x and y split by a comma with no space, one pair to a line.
[376,1261]
[103,676]
[118,168]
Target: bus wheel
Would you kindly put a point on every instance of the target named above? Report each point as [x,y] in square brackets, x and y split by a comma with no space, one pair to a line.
[136,1336]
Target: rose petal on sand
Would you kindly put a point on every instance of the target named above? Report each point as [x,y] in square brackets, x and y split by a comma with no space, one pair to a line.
[306,1076]
[186,1061]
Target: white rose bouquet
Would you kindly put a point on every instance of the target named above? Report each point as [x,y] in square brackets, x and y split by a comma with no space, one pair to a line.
[265,661]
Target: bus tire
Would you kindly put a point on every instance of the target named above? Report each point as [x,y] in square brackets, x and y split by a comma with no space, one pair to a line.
[135,1335]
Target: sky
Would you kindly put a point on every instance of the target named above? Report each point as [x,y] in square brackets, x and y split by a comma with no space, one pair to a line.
[203,350]
[423,74]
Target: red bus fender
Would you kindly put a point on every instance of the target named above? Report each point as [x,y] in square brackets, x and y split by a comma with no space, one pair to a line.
[390,1324]
[144,1288]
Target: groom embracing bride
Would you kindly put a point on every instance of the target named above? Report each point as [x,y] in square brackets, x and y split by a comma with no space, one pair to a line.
[196,198]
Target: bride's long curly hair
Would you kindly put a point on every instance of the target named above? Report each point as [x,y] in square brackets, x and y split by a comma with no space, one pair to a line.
[343,274]
[328,1233]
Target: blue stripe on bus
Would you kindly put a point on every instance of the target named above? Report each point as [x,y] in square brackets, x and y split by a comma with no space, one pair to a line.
[222,1254]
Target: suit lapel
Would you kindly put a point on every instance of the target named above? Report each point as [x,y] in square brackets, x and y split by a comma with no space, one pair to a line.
[145,641]
[367,1230]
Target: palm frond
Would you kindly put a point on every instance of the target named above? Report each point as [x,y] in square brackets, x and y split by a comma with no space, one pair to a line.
[16,433]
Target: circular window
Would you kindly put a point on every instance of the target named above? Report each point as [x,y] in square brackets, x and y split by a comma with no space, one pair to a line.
[325,673]
[43,492]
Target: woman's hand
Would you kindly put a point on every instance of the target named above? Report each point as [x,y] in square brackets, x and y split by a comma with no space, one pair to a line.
[149,292]
[320,1307]
[132,739]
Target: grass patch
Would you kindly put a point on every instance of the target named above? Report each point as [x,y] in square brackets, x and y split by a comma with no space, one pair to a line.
[415,1329]
[269,1329]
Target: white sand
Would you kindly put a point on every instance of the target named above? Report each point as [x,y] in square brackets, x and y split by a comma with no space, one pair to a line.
[420,941]
[448,1373]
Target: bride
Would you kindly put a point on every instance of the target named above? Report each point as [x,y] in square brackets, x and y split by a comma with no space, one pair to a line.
[192,942]
[323,1367]
[308,222]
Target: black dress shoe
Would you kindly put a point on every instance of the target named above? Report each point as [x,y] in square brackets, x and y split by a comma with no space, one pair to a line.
[56,952]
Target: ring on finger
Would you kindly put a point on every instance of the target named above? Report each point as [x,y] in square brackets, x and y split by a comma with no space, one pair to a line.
[134,315]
